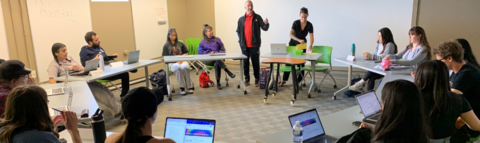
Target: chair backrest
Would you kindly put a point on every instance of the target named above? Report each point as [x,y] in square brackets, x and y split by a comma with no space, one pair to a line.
[327,54]
[192,45]
[181,41]
[291,49]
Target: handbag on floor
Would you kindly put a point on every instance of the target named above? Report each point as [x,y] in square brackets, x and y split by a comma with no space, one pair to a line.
[204,80]
[263,78]
[158,80]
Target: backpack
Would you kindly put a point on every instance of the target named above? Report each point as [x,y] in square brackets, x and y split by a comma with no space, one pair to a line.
[351,93]
[204,80]
[158,80]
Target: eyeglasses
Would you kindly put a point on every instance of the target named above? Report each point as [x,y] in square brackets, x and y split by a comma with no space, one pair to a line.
[26,79]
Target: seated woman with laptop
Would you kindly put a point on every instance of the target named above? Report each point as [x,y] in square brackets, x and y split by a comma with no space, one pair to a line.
[442,106]
[140,109]
[211,45]
[62,63]
[402,119]
[27,118]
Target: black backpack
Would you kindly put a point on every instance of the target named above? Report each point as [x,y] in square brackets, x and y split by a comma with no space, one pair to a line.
[159,84]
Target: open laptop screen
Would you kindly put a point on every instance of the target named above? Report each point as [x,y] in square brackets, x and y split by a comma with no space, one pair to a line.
[310,122]
[183,130]
[369,103]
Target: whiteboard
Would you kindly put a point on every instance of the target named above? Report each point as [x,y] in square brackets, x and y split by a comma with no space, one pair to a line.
[337,23]
[149,35]
[3,38]
[52,21]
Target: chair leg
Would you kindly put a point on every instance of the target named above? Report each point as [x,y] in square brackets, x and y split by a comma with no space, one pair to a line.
[195,67]
[332,78]
[226,79]
[115,85]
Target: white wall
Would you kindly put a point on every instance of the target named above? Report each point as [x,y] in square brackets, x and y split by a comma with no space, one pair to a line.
[337,23]
[52,21]
[3,38]
[149,35]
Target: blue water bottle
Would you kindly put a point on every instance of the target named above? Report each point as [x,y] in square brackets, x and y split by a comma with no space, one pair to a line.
[353,49]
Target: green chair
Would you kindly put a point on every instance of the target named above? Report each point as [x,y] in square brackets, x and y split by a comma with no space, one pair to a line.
[290,49]
[192,46]
[326,59]
[474,139]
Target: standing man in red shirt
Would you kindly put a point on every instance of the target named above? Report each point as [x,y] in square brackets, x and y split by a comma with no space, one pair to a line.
[248,32]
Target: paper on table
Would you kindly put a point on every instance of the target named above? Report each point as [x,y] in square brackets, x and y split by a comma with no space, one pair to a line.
[302,46]
[185,56]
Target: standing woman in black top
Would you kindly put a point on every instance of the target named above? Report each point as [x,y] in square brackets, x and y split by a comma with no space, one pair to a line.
[300,29]
[442,107]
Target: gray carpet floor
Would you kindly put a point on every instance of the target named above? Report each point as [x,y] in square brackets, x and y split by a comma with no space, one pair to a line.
[245,118]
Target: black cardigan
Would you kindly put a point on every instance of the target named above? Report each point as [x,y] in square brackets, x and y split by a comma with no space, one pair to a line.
[257,23]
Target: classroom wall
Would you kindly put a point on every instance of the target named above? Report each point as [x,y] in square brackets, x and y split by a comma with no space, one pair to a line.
[336,23]
[189,16]
[177,18]
[3,38]
[446,19]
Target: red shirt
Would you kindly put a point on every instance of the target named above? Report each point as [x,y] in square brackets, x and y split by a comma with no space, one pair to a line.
[248,30]
[4,91]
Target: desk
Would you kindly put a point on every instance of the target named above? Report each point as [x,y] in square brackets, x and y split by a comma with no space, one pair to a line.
[399,74]
[85,134]
[292,61]
[312,57]
[82,97]
[235,56]
[112,71]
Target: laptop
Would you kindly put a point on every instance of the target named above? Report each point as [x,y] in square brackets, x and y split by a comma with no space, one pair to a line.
[187,130]
[89,66]
[68,107]
[133,57]
[370,106]
[279,49]
[57,91]
[313,131]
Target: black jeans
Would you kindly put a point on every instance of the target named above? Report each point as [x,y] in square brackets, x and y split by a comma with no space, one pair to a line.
[218,64]
[125,77]
[254,54]
[370,77]
[302,73]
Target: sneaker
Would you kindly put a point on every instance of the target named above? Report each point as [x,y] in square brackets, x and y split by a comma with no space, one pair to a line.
[183,92]
[247,82]
[190,91]
[256,83]
[219,86]
[357,86]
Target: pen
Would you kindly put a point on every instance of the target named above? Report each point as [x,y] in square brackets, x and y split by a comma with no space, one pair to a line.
[56,110]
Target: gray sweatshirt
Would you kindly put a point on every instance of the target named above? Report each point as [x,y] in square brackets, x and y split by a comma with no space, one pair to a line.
[409,57]
[389,49]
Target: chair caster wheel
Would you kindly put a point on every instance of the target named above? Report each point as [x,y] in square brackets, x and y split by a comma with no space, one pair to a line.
[334,97]
[304,85]
[197,73]
[335,86]
[309,96]
[207,72]
[244,92]
[264,100]
[169,98]
[292,102]
[319,91]
[227,84]
[238,86]
[315,89]
[173,91]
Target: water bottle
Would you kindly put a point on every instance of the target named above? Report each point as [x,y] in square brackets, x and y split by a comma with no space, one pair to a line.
[101,63]
[98,127]
[297,133]
[353,49]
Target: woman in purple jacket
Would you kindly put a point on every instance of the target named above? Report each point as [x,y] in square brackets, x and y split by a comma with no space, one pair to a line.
[211,45]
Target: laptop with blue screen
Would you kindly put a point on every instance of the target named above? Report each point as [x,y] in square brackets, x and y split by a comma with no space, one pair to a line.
[187,130]
[313,131]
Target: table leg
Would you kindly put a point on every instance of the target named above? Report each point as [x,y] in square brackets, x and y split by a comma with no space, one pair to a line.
[147,81]
[313,84]
[241,78]
[267,83]
[278,74]
[295,85]
[349,80]
[168,82]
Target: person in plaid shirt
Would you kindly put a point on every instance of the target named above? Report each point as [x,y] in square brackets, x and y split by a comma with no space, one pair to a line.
[12,74]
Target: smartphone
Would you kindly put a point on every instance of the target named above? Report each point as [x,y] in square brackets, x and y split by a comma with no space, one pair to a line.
[357,123]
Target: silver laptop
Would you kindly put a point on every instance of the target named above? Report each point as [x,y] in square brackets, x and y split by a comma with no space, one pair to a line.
[89,66]
[370,106]
[279,49]
[312,127]
[133,57]
[187,130]
[68,107]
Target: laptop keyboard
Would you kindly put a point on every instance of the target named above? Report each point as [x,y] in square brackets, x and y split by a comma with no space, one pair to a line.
[375,117]
[57,91]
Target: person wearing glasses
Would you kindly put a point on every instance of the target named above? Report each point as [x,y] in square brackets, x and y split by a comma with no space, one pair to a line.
[12,74]
[181,69]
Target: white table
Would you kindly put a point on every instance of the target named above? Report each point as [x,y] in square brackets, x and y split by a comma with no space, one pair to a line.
[85,134]
[369,66]
[235,56]
[312,57]
[112,71]
[82,97]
